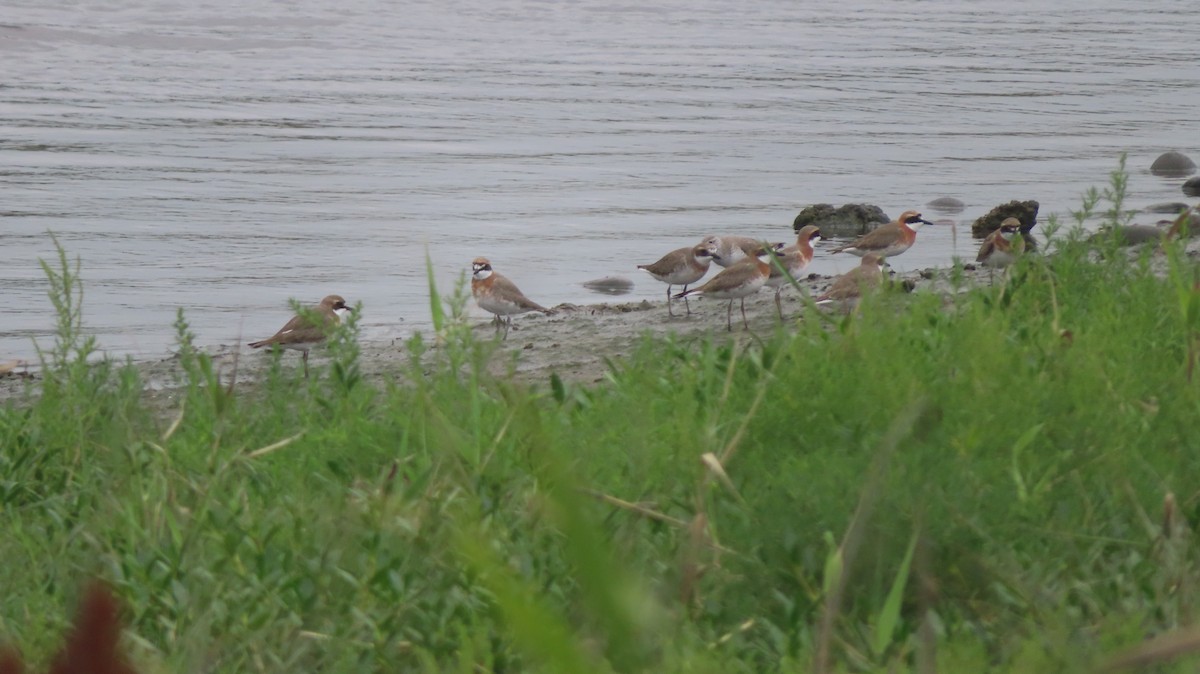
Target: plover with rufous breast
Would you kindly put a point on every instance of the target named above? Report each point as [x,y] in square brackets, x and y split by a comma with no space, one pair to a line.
[793,260]
[303,332]
[495,293]
[1001,248]
[736,282]
[888,240]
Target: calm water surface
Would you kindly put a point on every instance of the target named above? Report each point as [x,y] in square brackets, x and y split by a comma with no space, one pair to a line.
[226,156]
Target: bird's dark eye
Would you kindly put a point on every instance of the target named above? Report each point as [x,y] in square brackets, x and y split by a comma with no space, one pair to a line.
[915,218]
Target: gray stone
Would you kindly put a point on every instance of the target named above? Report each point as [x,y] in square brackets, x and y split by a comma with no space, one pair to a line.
[1172,207]
[1173,165]
[947,205]
[848,220]
[1128,235]
[610,285]
[1191,187]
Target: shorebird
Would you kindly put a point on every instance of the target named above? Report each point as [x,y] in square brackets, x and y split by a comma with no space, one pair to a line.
[888,240]
[735,282]
[1002,246]
[729,250]
[302,333]
[848,287]
[793,259]
[681,267]
[495,293]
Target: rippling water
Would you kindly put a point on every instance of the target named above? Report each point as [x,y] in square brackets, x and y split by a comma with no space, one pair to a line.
[226,156]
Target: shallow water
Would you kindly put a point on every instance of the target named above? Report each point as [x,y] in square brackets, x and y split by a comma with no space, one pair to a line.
[224,157]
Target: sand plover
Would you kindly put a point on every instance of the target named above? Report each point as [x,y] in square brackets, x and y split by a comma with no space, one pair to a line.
[794,260]
[495,293]
[735,282]
[681,267]
[729,250]
[848,287]
[888,240]
[1002,246]
[302,333]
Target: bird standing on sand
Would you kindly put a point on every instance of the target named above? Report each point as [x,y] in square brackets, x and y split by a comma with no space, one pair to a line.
[495,293]
[794,260]
[730,250]
[1002,246]
[888,240]
[735,282]
[302,333]
[848,287]
[681,267]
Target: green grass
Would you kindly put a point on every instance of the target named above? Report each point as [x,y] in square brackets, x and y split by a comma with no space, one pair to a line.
[1002,481]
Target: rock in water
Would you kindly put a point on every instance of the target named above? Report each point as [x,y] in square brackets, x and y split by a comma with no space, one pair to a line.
[947,205]
[1128,235]
[1173,165]
[610,285]
[1192,187]
[848,221]
[1171,207]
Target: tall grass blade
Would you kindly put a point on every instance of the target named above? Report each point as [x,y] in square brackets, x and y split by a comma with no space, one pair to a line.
[436,311]
[536,628]
[889,615]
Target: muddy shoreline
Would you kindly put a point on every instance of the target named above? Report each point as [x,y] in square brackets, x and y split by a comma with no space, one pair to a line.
[576,342]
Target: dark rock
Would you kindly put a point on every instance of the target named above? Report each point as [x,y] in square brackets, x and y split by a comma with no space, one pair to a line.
[948,205]
[1025,211]
[1191,187]
[1172,207]
[1173,165]
[845,221]
[1128,235]
[610,285]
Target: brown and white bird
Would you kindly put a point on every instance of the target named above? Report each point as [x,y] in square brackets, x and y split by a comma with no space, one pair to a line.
[729,250]
[681,267]
[304,331]
[888,240]
[495,293]
[794,259]
[1002,246]
[735,282]
[848,287]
